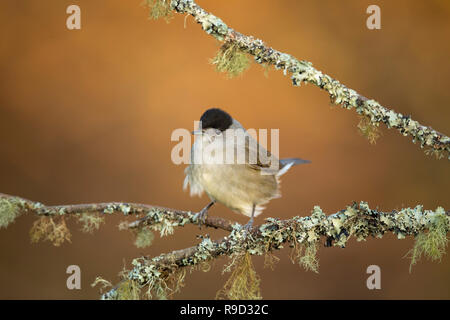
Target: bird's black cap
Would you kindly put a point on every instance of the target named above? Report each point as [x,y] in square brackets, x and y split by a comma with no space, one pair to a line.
[216,119]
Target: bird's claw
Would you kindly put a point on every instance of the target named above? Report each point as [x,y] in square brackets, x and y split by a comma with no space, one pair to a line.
[201,216]
[248,227]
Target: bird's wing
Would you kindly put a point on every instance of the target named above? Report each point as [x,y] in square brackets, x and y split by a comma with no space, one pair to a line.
[259,157]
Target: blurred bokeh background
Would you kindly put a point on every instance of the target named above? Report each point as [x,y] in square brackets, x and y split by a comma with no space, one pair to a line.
[87,115]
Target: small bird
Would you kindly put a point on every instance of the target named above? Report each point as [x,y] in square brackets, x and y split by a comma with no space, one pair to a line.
[243,186]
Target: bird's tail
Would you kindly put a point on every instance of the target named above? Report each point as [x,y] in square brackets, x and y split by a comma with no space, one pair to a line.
[287,163]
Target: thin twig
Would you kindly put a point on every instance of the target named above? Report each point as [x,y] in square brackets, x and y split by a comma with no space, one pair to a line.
[151,213]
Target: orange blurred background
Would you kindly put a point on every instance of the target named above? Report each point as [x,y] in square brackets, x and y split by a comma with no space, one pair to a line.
[86,116]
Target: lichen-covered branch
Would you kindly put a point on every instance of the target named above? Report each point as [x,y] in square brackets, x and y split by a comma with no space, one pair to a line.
[12,206]
[357,221]
[164,274]
[302,71]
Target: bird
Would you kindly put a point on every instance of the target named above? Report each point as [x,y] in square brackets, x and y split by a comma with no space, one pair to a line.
[243,186]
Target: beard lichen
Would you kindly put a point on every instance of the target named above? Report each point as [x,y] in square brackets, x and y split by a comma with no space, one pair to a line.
[243,283]
[368,129]
[306,255]
[128,290]
[45,229]
[431,244]
[266,68]
[159,9]
[231,59]
[9,211]
[144,237]
[309,260]
[165,227]
[103,282]
[163,285]
[438,154]
[270,260]
[90,222]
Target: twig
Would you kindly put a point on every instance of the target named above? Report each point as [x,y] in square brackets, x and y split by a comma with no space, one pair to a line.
[152,214]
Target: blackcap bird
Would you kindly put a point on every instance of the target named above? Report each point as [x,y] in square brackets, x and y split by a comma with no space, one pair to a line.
[232,168]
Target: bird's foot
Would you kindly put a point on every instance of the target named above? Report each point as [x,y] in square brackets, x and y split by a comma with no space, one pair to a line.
[201,216]
[248,227]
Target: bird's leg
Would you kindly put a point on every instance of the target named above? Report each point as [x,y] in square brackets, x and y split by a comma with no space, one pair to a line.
[202,214]
[249,224]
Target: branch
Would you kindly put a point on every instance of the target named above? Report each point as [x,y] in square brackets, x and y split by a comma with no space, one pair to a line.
[303,71]
[356,220]
[154,215]
[156,273]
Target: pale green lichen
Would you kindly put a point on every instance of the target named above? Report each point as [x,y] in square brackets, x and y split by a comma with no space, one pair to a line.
[308,260]
[371,109]
[159,9]
[90,222]
[10,209]
[157,219]
[125,208]
[431,244]
[210,23]
[165,221]
[161,282]
[125,290]
[202,253]
[302,233]
[165,227]
[305,254]
[109,209]
[144,237]
[231,60]
[128,290]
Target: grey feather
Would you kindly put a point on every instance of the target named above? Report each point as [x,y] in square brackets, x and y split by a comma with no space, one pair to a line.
[295,161]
